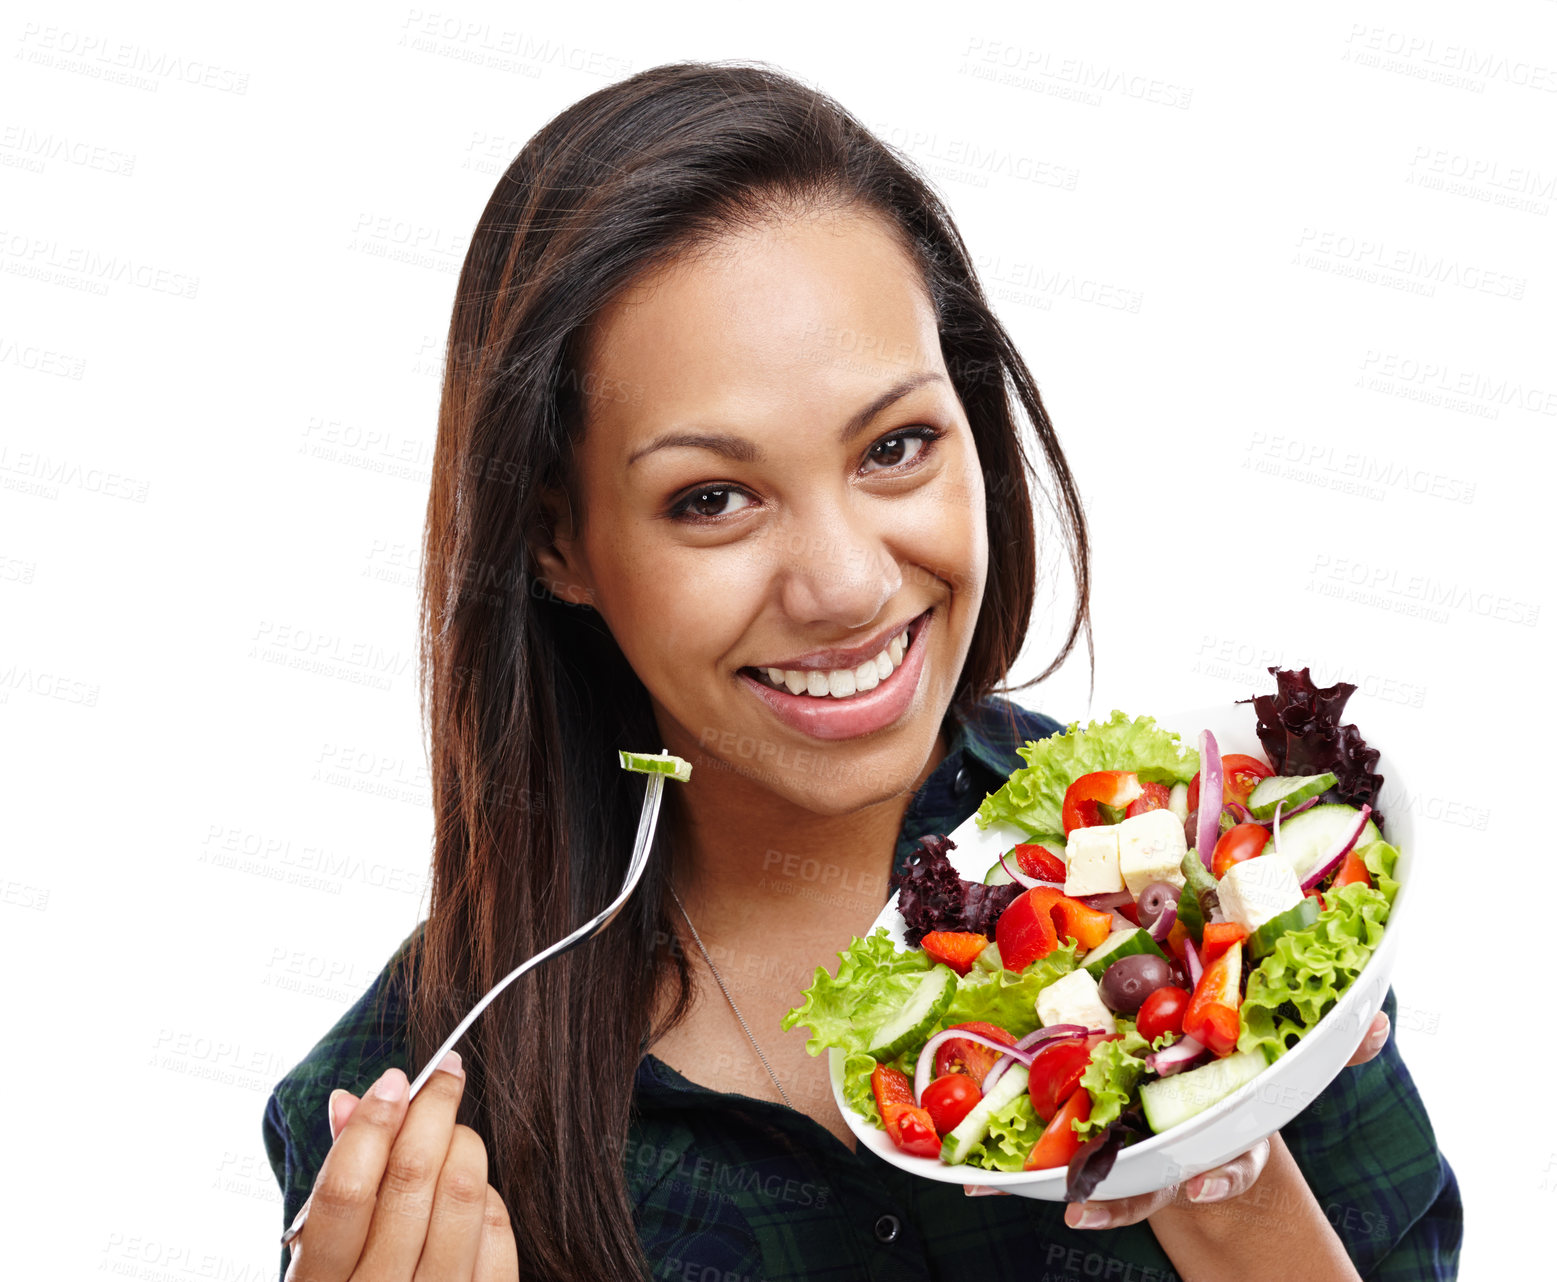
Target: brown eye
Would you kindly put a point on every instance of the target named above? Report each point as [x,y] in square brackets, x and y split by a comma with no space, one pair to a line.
[708,503]
[902,448]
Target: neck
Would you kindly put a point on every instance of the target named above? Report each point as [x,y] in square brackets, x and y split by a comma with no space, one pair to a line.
[749,861]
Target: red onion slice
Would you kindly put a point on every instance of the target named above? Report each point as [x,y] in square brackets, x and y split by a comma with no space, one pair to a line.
[1032,1040]
[1175,1058]
[924,1069]
[1210,791]
[1164,923]
[1192,959]
[1241,812]
[1109,899]
[1324,867]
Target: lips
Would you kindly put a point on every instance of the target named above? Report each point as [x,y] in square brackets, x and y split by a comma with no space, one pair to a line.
[830,718]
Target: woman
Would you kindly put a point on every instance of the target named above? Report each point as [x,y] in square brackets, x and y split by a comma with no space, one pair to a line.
[726,422]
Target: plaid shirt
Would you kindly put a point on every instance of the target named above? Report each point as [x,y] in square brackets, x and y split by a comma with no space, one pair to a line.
[728,1188]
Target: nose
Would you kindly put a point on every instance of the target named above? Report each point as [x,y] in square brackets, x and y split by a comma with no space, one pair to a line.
[839,572]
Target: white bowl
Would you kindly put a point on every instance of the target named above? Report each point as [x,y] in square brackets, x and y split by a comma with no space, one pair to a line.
[1257,1109]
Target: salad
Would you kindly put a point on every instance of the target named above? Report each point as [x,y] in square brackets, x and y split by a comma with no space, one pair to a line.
[1139,957]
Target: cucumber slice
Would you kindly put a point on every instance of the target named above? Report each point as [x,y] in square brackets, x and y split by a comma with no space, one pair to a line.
[661,763]
[1263,940]
[918,1014]
[1178,801]
[973,1128]
[1308,837]
[1168,1101]
[1125,942]
[997,875]
[1288,789]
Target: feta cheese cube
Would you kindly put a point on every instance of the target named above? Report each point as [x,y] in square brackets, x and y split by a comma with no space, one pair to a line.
[1151,848]
[1092,861]
[1254,891]
[1073,999]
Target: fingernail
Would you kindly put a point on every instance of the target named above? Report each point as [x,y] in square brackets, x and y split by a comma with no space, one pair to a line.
[1088,1217]
[451,1064]
[391,1086]
[979,1190]
[1212,1190]
[335,1124]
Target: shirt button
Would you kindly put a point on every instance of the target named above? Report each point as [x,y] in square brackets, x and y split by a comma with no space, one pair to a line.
[960,781]
[886,1228]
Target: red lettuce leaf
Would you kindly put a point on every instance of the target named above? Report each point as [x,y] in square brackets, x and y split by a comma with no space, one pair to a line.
[931,896]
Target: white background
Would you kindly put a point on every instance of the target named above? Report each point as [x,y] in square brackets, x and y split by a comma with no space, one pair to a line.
[1286,284]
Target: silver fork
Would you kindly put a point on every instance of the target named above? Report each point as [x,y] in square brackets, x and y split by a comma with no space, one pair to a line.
[648,818]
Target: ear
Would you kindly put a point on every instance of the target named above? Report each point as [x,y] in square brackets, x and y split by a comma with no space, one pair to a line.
[557,556]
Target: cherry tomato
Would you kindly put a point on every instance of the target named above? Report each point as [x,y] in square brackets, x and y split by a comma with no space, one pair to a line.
[1056,1072]
[955,1055]
[1154,796]
[1037,862]
[1240,775]
[1059,1141]
[1244,841]
[949,1099]
[1116,788]
[1162,1012]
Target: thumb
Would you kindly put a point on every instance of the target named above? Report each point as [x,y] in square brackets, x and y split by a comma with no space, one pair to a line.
[342,1105]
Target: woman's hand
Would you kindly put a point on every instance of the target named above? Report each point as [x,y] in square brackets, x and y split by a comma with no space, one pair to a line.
[1216,1185]
[403,1192]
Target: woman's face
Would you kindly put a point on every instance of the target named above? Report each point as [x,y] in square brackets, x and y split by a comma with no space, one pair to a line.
[777,480]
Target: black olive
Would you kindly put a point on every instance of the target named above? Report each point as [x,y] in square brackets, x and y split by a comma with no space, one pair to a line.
[1154,900]
[1130,980]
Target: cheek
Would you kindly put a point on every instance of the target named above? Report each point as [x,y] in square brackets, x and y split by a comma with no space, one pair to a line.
[947,533]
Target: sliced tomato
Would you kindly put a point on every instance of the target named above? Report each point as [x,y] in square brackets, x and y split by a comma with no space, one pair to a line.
[1037,862]
[1056,1071]
[1117,788]
[1162,1012]
[974,1061]
[949,1099]
[1059,1141]
[1154,796]
[1244,841]
[957,948]
[1240,776]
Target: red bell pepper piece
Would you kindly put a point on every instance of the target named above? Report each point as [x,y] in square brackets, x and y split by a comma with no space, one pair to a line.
[1117,788]
[1212,1017]
[1217,937]
[1035,921]
[909,1126]
[957,948]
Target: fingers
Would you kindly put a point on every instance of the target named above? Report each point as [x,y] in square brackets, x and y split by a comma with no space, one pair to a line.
[342,1105]
[459,1207]
[497,1258]
[410,1175]
[982,1190]
[1229,1180]
[1373,1041]
[346,1189]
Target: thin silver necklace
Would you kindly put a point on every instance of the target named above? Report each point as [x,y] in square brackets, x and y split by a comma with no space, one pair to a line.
[719,979]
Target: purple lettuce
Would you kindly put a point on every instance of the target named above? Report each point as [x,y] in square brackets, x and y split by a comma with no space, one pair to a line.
[931,896]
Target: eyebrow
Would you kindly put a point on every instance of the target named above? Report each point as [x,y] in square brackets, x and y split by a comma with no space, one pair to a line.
[743,450]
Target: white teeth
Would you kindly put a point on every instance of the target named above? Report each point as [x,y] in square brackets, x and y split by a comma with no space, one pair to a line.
[840,683]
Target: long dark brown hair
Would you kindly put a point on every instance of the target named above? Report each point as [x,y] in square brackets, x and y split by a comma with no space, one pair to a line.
[527,698]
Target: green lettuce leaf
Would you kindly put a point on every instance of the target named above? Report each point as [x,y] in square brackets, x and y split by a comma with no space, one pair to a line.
[1031,798]
[874,979]
[1379,857]
[1299,982]
[1111,1077]
[1013,1130]
[857,1068]
[1007,998]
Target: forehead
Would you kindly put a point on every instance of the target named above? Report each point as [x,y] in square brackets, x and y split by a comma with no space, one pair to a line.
[805,318]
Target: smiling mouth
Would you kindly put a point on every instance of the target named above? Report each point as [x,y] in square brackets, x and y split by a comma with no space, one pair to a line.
[841,683]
